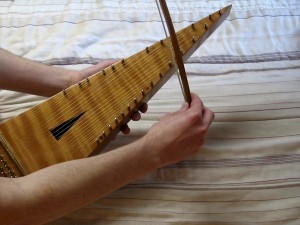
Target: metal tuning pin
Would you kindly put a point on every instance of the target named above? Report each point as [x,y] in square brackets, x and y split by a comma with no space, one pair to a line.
[143,92]
[128,107]
[98,140]
[103,134]
[147,49]
[123,114]
[160,74]
[4,166]
[162,42]
[80,84]
[181,52]
[1,168]
[88,80]
[170,64]
[110,127]
[12,172]
[220,13]
[151,83]
[193,26]
[210,16]
[116,120]
[65,93]
[135,101]
[206,26]
[123,62]
[103,72]
[113,67]
[193,40]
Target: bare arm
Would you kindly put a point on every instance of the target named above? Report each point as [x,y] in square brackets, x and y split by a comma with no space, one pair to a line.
[23,75]
[53,192]
[59,189]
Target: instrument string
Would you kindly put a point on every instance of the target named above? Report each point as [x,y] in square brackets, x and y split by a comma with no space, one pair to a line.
[169,44]
[93,134]
[115,80]
[84,128]
[194,40]
[118,92]
[84,101]
[90,133]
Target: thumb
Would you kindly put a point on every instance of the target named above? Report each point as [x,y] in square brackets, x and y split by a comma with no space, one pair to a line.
[185,106]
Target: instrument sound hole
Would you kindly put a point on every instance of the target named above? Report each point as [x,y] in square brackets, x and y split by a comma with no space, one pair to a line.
[61,129]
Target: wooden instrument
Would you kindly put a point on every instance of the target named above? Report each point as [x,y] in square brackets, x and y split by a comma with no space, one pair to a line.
[80,120]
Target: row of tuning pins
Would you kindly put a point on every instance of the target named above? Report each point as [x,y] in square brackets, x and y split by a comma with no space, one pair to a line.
[118,119]
[130,106]
[113,67]
[206,26]
[103,71]
[5,170]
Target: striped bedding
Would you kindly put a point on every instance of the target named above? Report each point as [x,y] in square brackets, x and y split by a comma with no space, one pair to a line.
[247,72]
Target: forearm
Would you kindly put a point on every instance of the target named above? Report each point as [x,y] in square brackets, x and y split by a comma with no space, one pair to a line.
[23,75]
[62,188]
[65,187]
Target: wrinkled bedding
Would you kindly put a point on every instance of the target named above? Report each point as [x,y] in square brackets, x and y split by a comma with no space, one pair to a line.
[247,72]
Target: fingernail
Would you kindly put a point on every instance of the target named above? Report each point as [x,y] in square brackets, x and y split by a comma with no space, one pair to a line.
[136,116]
[144,107]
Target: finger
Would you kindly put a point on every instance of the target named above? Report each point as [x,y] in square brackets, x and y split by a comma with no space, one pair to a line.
[136,116]
[185,106]
[144,107]
[125,129]
[196,103]
[207,117]
[84,73]
[104,64]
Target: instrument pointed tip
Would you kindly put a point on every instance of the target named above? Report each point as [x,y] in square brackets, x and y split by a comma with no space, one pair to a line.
[228,7]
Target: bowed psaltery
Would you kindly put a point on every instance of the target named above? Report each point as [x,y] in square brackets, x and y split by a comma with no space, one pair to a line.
[80,120]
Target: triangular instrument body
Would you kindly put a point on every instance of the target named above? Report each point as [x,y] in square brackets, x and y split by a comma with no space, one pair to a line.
[93,111]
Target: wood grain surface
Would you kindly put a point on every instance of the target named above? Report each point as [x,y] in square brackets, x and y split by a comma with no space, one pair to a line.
[79,121]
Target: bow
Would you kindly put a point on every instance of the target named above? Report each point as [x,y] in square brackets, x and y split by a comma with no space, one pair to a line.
[177,53]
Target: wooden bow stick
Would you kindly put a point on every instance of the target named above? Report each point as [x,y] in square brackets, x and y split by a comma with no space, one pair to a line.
[177,52]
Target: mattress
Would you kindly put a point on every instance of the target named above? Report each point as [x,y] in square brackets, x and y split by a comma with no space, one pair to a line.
[247,72]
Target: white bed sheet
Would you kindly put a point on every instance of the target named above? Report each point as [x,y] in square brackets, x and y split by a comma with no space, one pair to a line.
[248,72]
